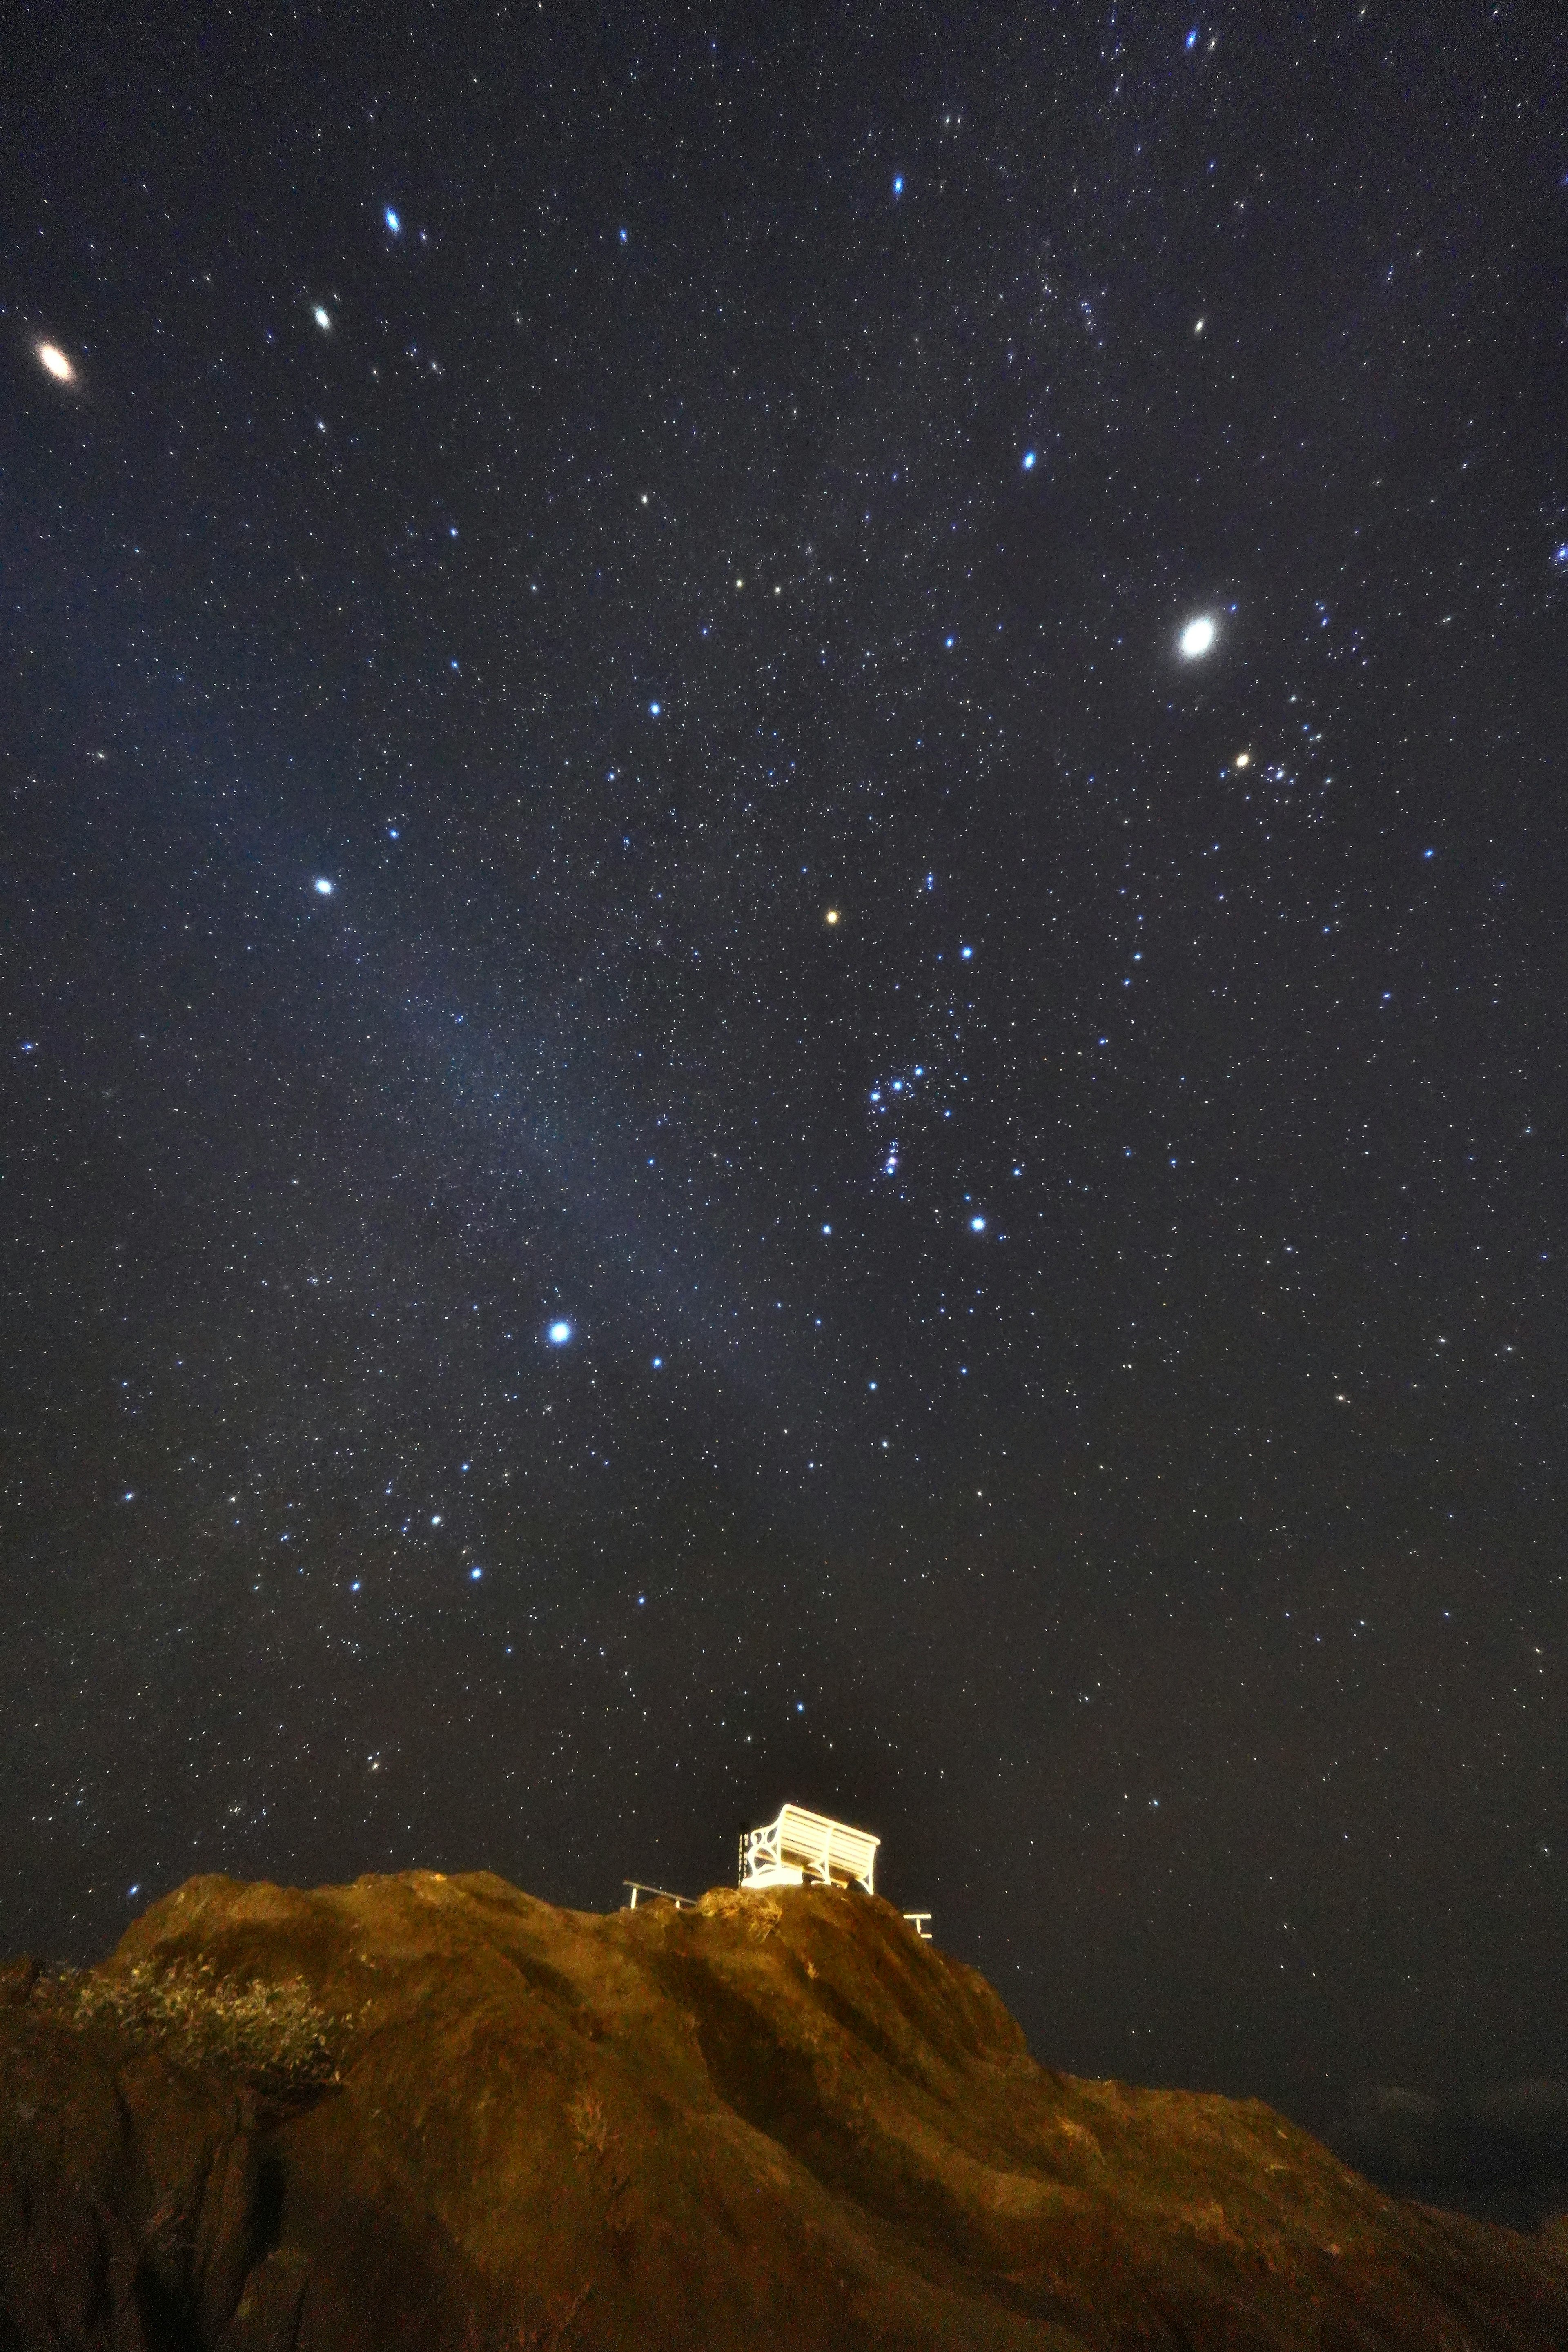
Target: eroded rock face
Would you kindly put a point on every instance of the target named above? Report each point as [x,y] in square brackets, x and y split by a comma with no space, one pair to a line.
[128,2192]
[777,2119]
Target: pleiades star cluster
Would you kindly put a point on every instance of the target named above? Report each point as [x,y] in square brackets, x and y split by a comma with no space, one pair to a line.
[782,985]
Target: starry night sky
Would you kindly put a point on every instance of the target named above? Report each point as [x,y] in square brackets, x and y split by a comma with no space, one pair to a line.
[596,736]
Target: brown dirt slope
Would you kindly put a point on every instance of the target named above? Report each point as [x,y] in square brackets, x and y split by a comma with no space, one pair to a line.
[777,2119]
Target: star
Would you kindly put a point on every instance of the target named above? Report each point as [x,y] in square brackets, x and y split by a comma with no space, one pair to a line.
[393,223]
[322,316]
[324,889]
[558,1334]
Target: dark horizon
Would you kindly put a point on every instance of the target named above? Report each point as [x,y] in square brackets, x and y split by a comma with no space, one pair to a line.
[694,1113]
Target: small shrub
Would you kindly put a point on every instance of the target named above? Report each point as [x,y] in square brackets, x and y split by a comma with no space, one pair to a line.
[589,2123]
[273,2034]
[759,1911]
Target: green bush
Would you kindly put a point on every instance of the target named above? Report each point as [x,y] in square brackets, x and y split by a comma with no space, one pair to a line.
[273,2034]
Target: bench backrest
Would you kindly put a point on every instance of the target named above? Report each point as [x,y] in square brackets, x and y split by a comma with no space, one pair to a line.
[824,1849]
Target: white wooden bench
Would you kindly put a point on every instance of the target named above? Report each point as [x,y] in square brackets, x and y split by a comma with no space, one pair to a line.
[806,1849]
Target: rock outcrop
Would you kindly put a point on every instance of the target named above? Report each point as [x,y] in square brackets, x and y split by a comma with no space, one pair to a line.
[776,2119]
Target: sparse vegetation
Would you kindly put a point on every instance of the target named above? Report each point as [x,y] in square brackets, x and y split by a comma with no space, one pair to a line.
[590,2125]
[272,2034]
[757,1912]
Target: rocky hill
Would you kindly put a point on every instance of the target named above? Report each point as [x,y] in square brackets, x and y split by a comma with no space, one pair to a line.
[435,2112]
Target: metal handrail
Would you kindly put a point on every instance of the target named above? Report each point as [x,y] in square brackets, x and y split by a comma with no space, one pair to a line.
[659,1894]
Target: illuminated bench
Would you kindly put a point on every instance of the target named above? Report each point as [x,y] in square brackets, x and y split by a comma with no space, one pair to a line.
[805,1849]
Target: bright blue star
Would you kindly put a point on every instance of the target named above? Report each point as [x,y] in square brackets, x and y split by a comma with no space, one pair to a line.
[948,643]
[323,887]
[558,1334]
[1029,461]
[966,954]
[977,1224]
[1429,853]
[623,236]
[1560,556]
[658,1363]
[1192,40]
[897,183]
[655,708]
[475,1574]
[393,223]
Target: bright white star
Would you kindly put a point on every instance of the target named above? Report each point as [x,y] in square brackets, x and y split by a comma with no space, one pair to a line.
[323,887]
[558,1334]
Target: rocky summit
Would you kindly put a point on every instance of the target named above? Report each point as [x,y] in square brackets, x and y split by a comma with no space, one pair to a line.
[436,2112]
